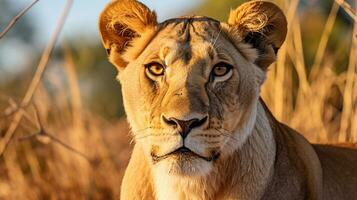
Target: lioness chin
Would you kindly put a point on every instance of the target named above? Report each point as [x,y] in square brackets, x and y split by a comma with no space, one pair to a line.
[191,93]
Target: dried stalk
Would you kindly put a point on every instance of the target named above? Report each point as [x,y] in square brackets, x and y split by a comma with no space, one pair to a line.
[17,17]
[36,79]
[348,9]
[43,133]
[324,40]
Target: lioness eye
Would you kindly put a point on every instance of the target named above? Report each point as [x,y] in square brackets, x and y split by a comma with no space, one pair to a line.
[155,69]
[221,69]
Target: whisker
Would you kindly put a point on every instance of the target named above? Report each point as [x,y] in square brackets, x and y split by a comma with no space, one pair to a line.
[144,129]
[150,134]
[219,33]
[226,134]
[205,135]
[141,131]
[212,142]
[140,138]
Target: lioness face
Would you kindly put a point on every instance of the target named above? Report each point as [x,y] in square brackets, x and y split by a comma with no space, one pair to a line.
[190,85]
[190,96]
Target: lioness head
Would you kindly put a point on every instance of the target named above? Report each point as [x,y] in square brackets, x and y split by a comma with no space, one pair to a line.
[191,84]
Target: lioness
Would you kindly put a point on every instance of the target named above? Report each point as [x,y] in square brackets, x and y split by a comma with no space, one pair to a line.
[191,94]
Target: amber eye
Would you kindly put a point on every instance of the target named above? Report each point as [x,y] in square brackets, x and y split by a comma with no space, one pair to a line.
[155,69]
[221,69]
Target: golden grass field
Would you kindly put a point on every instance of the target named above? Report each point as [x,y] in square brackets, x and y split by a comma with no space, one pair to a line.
[61,150]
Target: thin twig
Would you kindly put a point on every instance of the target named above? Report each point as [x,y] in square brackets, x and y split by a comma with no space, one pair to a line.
[36,79]
[348,9]
[17,17]
[44,133]
[27,137]
[66,146]
[14,107]
[10,111]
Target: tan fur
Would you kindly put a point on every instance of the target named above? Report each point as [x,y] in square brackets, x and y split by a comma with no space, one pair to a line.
[120,23]
[242,151]
[262,18]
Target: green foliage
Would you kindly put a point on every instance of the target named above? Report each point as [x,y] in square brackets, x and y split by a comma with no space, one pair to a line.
[218,9]
[97,78]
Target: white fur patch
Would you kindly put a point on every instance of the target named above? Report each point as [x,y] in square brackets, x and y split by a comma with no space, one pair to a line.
[175,187]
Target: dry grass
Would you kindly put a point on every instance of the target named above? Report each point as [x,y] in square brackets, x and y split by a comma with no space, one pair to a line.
[75,155]
[60,151]
[311,104]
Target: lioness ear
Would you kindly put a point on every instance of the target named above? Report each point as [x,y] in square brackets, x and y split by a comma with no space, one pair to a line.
[262,24]
[120,23]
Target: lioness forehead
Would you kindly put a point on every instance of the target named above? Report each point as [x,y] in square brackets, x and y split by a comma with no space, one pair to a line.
[200,21]
[185,38]
[187,30]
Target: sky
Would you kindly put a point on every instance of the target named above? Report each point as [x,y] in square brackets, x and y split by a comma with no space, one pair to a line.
[83,17]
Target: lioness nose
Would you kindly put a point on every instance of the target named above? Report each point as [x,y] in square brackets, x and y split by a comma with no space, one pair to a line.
[184,126]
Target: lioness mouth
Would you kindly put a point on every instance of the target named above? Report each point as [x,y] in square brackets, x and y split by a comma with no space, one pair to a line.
[183,152]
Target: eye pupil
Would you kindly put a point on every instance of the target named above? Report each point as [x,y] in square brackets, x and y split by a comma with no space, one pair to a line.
[157,68]
[220,70]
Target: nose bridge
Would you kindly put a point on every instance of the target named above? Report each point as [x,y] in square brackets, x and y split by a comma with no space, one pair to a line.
[195,87]
[184,100]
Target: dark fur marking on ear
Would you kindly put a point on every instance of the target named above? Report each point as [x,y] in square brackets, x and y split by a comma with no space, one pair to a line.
[276,49]
[256,40]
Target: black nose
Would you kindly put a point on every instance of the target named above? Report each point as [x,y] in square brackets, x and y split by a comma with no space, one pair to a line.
[184,126]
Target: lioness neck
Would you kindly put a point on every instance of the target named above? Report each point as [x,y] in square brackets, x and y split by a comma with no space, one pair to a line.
[243,175]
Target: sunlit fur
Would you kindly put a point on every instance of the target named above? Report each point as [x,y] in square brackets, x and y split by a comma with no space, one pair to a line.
[258,156]
[230,105]
[227,129]
[189,47]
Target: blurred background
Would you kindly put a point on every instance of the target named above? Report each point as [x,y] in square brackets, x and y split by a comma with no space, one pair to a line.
[73,141]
